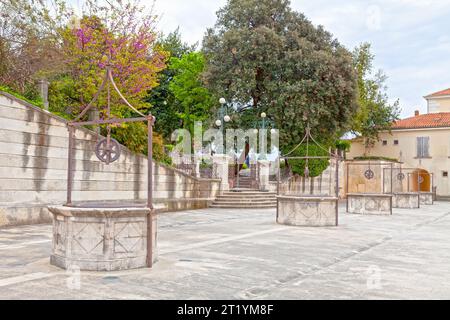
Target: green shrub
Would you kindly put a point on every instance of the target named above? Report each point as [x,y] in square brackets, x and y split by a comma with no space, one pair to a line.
[30,98]
[62,96]
[375,158]
[343,145]
[315,166]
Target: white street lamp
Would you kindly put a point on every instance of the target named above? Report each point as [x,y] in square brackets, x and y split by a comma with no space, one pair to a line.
[222,101]
[218,123]
[255,131]
[273,131]
[263,115]
[227,118]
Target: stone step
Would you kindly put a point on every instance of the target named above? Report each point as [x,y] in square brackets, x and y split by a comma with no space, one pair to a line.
[249,201]
[245,198]
[256,196]
[237,189]
[249,194]
[252,206]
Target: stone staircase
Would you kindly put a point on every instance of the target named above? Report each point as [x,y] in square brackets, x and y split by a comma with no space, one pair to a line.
[245,182]
[245,198]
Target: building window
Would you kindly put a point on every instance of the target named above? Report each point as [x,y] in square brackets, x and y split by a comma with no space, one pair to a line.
[395,142]
[384,142]
[423,144]
[445,174]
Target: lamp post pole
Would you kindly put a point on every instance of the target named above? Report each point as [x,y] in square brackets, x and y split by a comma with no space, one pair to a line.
[223,118]
[263,127]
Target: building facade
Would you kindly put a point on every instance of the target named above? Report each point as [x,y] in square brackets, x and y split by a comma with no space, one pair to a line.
[421,141]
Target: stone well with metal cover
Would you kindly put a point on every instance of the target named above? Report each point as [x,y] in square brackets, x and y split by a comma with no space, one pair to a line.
[104,236]
[301,201]
[366,192]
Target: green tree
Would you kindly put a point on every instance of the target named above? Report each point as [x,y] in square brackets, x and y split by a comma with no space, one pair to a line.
[120,35]
[192,98]
[163,104]
[263,54]
[375,113]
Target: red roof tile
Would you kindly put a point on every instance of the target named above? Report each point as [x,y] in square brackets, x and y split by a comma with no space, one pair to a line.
[429,120]
[445,92]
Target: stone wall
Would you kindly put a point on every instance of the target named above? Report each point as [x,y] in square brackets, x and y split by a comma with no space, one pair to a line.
[33,169]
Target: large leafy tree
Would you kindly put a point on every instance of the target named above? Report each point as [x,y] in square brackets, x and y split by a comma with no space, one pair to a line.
[192,98]
[375,113]
[163,103]
[263,54]
[119,34]
[130,50]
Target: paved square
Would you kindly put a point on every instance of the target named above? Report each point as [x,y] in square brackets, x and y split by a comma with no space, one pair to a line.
[244,254]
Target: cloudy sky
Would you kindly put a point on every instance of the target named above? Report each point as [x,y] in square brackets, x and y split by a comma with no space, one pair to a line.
[410,38]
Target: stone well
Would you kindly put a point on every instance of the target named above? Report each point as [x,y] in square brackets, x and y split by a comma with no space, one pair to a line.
[406,200]
[307,211]
[102,239]
[426,198]
[369,203]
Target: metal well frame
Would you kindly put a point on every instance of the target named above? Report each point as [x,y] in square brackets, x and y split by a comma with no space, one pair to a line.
[407,173]
[381,165]
[108,80]
[331,156]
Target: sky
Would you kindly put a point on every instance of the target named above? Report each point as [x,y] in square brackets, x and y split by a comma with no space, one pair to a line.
[410,38]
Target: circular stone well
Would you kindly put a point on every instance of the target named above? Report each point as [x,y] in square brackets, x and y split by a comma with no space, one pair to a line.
[102,239]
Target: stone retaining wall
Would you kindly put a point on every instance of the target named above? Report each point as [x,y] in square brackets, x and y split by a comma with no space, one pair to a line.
[33,163]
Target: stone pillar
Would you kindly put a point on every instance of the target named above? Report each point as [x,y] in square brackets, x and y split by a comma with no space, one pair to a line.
[43,92]
[220,170]
[197,167]
[264,171]
[94,115]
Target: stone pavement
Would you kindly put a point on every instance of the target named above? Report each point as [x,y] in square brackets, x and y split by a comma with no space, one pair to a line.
[244,254]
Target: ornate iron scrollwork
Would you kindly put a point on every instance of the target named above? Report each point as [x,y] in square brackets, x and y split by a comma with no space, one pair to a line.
[369,174]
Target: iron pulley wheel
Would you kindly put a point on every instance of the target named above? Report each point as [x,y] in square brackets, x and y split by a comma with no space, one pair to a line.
[107,152]
[401,176]
[369,174]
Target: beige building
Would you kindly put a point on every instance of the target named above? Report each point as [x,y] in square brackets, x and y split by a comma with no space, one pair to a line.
[421,141]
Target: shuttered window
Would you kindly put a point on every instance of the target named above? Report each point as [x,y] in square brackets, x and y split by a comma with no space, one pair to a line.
[423,144]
